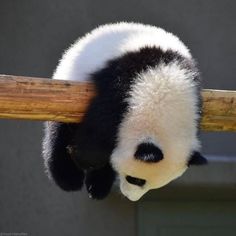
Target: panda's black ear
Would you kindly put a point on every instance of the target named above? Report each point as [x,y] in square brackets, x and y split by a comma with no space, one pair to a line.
[197,159]
[148,152]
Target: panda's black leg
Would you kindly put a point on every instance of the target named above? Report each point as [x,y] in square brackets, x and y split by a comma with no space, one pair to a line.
[57,156]
[99,182]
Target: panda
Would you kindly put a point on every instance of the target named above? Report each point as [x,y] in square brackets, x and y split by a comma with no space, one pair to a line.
[142,126]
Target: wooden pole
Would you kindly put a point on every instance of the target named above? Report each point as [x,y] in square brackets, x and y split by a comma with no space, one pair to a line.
[66,101]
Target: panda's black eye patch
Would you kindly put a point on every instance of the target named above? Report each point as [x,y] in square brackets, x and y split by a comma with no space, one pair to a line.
[148,152]
[135,181]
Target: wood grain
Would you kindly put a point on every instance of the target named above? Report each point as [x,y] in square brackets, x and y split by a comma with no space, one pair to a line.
[58,100]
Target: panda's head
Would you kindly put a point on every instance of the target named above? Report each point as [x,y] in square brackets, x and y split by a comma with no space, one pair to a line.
[150,167]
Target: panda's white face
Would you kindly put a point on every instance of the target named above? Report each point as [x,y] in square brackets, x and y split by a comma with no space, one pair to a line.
[147,169]
[134,187]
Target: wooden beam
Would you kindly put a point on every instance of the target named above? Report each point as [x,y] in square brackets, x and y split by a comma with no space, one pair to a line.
[44,99]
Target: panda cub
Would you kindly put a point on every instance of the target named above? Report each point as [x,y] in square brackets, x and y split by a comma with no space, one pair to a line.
[142,125]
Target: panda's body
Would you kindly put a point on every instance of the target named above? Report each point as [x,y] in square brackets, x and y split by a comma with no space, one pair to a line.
[143,121]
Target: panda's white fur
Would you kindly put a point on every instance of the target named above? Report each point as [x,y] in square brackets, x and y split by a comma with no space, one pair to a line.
[162,103]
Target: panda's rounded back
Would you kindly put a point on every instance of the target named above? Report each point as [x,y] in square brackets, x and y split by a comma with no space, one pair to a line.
[91,52]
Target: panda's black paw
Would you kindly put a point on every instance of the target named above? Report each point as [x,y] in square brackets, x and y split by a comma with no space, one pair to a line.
[70,182]
[65,173]
[99,182]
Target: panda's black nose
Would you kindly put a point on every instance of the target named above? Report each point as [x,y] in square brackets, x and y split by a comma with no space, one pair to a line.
[135,181]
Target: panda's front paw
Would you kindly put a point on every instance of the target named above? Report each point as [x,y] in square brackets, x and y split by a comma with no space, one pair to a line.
[99,182]
[67,176]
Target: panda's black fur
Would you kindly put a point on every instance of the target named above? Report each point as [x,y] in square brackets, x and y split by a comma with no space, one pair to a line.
[80,153]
